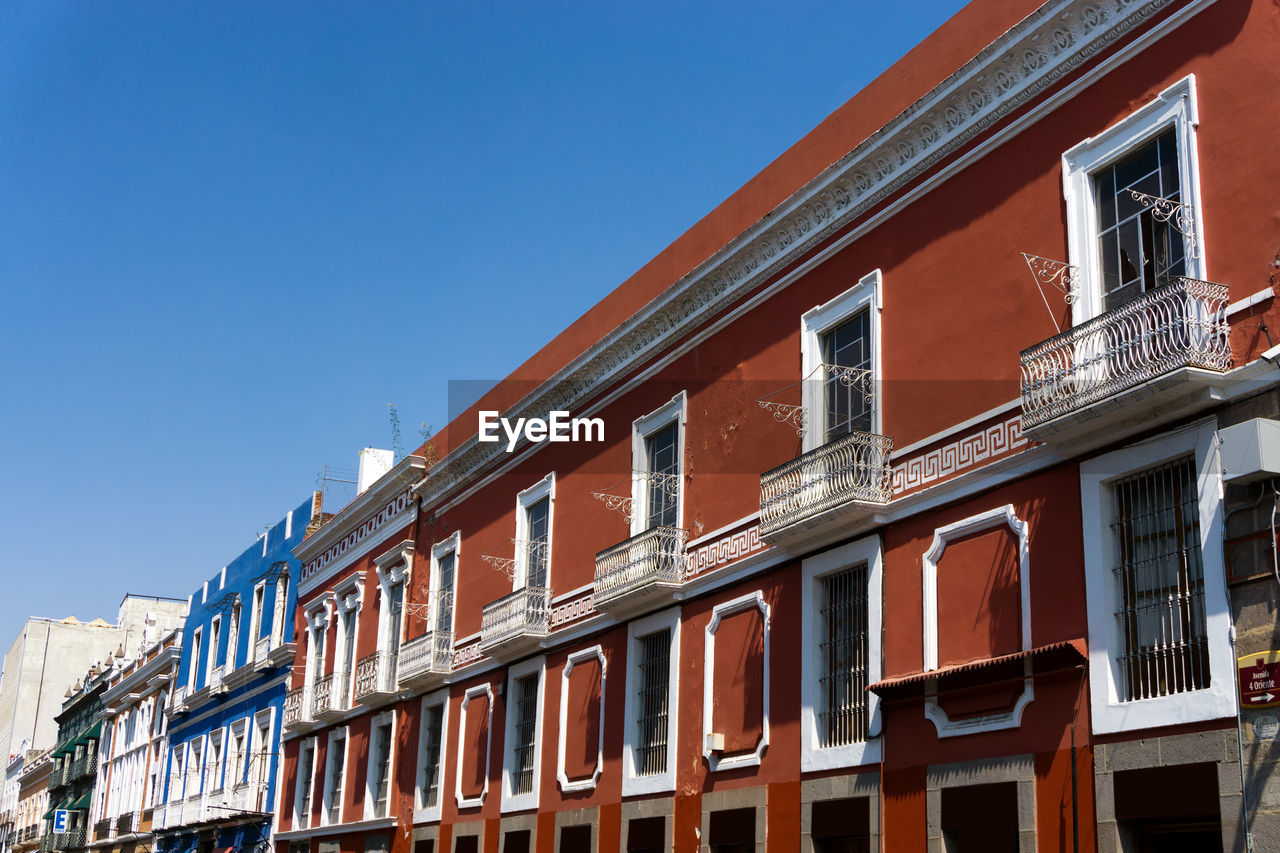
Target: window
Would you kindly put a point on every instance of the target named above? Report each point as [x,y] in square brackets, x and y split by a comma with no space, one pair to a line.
[335,763]
[379,781]
[524,711]
[233,636]
[1160,579]
[1123,245]
[260,763]
[193,664]
[533,534]
[306,778]
[653,643]
[214,769]
[236,753]
[215,644]
[652,700]
[342,684]
[195,769]
[255,616]
[430,754]
[444,560]
[393,567]
[657,452]
[278,617]
[842,616]
[1154,584]
[840,655]
[840,358]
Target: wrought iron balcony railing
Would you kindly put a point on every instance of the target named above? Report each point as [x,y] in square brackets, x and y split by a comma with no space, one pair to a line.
[180,698]
[524,614]
[102,830]
[376,675]
[649,561]
[125,823]
[1182,324]
[326,696]
[853,469]
[422,657]
[69,840]
[297,708]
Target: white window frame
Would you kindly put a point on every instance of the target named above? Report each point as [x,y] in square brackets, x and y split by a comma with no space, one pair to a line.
[512,802]
[1216,701]
[993,519]
[485,690]
[236,764]
[453,545]
[257,609]
[279,611]
[266,718]
[387,717]
[302,820]
[217,761]
[319,612]
[813,570]
[423,813]
[633,783]
[1175,108]
[815,323]
[326,793]
[715,760]
[593,653]
[544,488]
[197,646]
[350,597]
[673,411]
[215,640]
[395,568]
[233,636]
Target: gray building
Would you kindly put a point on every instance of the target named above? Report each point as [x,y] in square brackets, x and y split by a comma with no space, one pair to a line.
[49,655]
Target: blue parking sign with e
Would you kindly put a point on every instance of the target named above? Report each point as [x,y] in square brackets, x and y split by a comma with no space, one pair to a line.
[62,820]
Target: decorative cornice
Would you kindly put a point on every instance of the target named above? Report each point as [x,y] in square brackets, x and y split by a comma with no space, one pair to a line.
[1021,64]
[141,676]
[384,502]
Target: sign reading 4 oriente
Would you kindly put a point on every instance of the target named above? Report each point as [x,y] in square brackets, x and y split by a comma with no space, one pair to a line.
[1260,679]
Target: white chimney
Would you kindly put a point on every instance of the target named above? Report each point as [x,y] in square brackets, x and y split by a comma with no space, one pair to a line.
[373,464]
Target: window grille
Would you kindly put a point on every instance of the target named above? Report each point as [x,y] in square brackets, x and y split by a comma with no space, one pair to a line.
[662,453]
[394,618]
[431,757]
[383,747]
[842,719]
[655,669]
[848,407]
[526,721]
[337,748]
[444,605]
[1160,580]
[1137,249]
[538,536]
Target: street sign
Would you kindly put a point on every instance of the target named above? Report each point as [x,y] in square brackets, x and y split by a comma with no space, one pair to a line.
[62,820]
[1260,679]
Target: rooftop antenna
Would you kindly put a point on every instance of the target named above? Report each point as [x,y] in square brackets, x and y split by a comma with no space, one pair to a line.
[396,446]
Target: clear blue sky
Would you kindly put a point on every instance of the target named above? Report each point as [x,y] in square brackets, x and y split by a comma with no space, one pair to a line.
[232,232]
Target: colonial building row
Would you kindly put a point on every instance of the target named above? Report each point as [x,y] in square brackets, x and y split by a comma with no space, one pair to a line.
[933,512]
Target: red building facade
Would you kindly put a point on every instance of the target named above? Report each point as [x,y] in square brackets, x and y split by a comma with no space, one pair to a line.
[907,527]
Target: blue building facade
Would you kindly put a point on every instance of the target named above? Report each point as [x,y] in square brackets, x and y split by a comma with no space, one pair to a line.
[227,704]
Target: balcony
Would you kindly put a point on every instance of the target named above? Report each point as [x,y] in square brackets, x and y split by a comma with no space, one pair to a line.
[69,840]
[376,678]
[1157,358]
[844,480]
[515,623]
[297,710]
[329,697]
[179,699]
[426,660]
[214,685]
[124,823]
[282,653]
[103,831]
[643,569]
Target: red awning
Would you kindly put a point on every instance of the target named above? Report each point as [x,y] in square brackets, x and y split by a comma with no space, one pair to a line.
[1055,656]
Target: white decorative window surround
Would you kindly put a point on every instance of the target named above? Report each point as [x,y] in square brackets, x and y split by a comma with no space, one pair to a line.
[641,428]
[485,690]
[633,782]
[593,653]
[395,568]
[511,801]
[1217,701]
[422,812]
[814,569]
[193,663]
[716,761]
[371,782]
[544,488]
[816,322]
[263,748]
[338,740]
[215,640]
[436,619]
[1175,108]
[1003,516]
